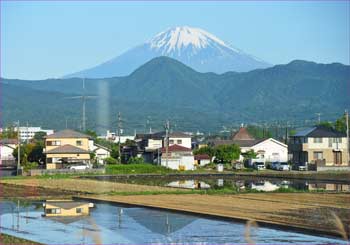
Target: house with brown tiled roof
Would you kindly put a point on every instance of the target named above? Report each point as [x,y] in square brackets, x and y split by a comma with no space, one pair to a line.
[66,147]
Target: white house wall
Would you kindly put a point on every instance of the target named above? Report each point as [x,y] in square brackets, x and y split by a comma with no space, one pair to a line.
[185,142]
[6,152]
[270,147]
[175,163]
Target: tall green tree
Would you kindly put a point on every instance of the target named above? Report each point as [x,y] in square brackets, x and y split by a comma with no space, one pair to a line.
[227,153]
[340,124]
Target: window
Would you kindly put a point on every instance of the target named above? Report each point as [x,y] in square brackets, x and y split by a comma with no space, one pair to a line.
[53,142]
[339,140]
[318,155]
[179,142]
[317,140]
[49,160]
[79,143]
[53,211]
[171,141]
[330,142]
[78,210]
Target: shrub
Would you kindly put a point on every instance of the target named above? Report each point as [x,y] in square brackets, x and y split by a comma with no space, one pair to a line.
[136,160]
[30,165]
[111,160]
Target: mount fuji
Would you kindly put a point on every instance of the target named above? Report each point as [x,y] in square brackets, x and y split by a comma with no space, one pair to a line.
[194,47]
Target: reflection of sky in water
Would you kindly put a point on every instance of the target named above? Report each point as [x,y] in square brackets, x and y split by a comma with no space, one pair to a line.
[108,224]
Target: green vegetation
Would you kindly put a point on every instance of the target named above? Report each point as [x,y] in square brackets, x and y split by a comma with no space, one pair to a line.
[10,133]
[259,95]
[136,160]
[338,125]
[7,239]
[142,168]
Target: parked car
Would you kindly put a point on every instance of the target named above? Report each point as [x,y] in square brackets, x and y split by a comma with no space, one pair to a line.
[283,166]
[301,166]
[79,167]
[259,165]
[274,165]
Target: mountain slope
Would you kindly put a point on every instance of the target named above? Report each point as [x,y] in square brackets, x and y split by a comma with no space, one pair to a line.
[165,88]
[192,46]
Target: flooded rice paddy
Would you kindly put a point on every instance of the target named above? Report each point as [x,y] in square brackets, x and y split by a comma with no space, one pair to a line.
[111,224]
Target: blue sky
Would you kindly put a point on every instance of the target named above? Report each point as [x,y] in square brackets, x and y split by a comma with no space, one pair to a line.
[50,39]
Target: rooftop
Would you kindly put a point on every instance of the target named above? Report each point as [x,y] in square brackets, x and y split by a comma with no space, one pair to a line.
[241,143]
[66,204]
[320,132]
[8,141]
[67,133]
[176,148]
[67,149]
[242,134]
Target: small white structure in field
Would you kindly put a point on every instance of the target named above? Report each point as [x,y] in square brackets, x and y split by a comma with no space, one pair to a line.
[179,158]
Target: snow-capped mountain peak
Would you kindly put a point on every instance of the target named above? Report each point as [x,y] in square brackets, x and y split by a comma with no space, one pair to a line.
[177,38]
[194,47]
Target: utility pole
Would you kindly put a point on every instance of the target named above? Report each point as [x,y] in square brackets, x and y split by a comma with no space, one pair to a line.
[119,129]
[319,117]
[286,134]
[83,98]
[167,127]
[19,149]
[347,134]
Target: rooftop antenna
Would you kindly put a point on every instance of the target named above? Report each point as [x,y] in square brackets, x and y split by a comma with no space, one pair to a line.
[83,98]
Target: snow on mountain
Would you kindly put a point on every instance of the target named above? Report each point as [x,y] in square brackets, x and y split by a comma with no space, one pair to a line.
[175,39]
[194,47]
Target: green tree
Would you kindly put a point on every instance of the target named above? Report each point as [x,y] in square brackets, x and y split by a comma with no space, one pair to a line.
[31,152]
[39,136]
[9,133]
[249,155]
[115,151]
[129,142]
[340,124]
[227,153]
[210,151]
[91,133]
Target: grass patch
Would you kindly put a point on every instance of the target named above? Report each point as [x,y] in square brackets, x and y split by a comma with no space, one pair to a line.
[7,239]
[143,168]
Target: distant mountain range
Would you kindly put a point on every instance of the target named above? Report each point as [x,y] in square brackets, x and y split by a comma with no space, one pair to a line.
[165,88]
[194,47]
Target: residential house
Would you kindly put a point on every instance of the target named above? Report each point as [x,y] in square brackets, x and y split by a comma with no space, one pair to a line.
[7,146]
[101,152]
[65,147]
[319,147]
[56,208]
[267,149]
[178,157]
[150,144]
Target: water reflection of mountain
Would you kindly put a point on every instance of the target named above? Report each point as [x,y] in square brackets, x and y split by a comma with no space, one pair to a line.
[160,222]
